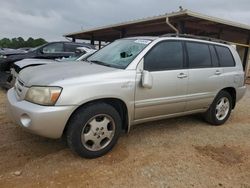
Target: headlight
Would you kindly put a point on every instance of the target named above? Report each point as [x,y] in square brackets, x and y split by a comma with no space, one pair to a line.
[43,95]
[3,56]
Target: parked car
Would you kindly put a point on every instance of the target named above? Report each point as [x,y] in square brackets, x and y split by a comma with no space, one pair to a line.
[5,52]
[81,55]
[128,82]
[52,50]
[25,49]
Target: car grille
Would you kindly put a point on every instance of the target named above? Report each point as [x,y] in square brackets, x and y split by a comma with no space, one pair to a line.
[19,85]
[16,68]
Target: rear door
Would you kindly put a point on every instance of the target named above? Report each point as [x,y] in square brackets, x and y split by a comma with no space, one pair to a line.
[165,62]
[232,75]
[205,75]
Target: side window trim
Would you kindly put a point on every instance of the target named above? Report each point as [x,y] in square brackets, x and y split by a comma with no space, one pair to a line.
[210,53]
[172,40]
[186,54]
[217,57]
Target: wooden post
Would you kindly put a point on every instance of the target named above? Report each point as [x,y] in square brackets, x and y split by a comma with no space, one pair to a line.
[181,27]
[219,33]
[92,41]
[246,57]
[123,33]
[100,44]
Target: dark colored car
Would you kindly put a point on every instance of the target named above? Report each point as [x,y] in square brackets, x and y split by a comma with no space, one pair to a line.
[5,52]
[52,50]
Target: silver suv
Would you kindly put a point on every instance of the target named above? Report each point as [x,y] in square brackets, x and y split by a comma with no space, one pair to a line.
[128,82]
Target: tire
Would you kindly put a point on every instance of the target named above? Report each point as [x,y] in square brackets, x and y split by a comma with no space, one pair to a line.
[212,115]
[93,130]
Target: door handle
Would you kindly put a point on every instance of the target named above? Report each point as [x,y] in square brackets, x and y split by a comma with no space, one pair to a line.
[182,75]
[217,72]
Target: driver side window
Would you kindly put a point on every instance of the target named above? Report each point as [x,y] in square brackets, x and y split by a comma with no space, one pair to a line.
[53,48]
[166,55]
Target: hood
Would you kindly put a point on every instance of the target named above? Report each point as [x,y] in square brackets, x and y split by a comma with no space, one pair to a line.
[12,52]
[29,62]
[48,74]
[20,56]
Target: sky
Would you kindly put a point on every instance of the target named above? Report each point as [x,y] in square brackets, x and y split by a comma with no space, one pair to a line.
[50,19]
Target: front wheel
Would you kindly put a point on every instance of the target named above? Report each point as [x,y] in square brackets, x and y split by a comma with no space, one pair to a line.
[93,130]
[220,110]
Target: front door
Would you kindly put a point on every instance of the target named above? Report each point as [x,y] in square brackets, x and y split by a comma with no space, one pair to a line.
[165,63]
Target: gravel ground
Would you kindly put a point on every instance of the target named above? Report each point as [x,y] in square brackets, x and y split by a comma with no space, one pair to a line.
[179,152]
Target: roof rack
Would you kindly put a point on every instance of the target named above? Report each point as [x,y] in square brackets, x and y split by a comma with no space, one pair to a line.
[195,37]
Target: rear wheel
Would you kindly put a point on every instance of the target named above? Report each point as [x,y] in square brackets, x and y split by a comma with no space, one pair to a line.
[220,110]
[93,130]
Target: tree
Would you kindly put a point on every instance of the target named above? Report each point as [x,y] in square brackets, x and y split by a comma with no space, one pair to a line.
[39,42]
[5,43]
[20,42]
[30,42]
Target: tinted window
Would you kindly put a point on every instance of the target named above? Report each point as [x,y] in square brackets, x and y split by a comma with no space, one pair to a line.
[53,48]
[225,56]
[70,47]
[198,55]
[164,56]
[73,47]
[214,56]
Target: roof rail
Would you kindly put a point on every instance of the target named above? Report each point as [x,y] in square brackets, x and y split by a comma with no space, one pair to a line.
[195,37]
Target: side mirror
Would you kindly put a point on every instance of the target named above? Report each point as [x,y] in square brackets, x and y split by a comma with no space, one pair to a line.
[147,80]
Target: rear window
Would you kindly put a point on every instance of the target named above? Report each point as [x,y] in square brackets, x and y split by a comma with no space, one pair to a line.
[71,47]
[225,56]
[198,55]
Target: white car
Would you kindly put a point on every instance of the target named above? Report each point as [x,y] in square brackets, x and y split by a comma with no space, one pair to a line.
[129,82]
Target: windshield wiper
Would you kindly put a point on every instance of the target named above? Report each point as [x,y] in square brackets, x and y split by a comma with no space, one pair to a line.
[99,63]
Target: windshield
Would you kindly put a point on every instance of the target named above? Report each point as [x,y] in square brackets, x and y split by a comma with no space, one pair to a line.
[35,48]
[70,58]
[120,53]
[85,56]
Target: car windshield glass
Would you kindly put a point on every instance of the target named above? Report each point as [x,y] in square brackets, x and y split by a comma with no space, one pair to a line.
[85,56]
[120,53]
[71,58]
[35,48]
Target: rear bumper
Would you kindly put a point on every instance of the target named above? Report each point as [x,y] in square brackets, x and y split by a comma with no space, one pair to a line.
[47,121]
[240,92]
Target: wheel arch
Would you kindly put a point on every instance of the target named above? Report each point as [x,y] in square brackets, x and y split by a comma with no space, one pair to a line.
[232,92]
[117,103]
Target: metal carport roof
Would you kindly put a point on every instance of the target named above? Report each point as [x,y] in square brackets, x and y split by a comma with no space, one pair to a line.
[186,21]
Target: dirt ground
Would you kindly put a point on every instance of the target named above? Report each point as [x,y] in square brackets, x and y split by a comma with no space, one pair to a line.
[179,152]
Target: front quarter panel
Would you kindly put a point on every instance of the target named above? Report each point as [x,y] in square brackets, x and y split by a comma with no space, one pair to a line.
[118,84]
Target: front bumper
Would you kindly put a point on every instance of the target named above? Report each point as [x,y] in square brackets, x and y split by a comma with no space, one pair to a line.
[47,121]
